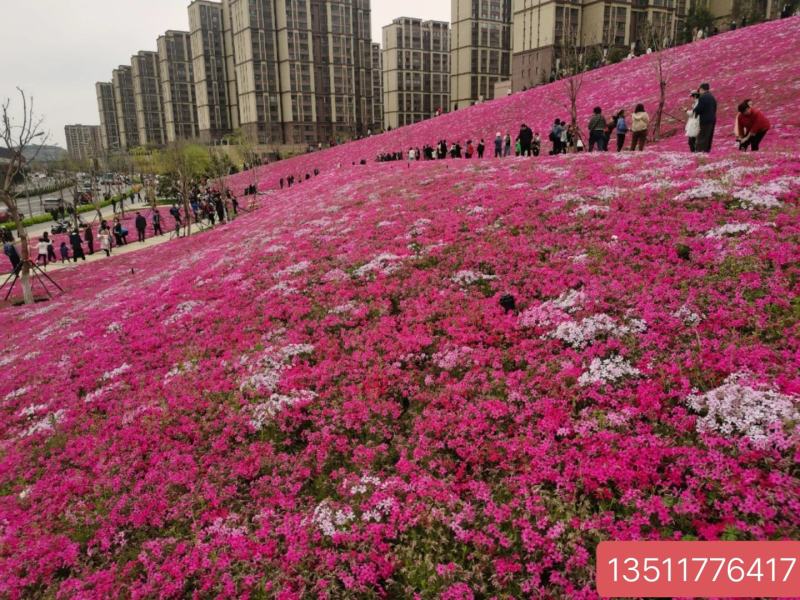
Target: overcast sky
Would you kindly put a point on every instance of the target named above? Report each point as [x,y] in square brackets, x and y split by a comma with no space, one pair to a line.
[56,50]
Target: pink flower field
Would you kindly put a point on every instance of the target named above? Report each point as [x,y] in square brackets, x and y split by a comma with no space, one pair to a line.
[445,380]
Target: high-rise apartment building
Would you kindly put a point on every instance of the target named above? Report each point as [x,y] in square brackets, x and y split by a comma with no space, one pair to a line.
[303,68]
[177,85]
[149,102]
[377,89]
[544,28]
[122,81]
[214,104]
[480,49]
[83,142]
[416,70]
[109,127]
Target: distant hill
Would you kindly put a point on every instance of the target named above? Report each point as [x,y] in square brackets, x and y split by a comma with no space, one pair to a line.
[47,153]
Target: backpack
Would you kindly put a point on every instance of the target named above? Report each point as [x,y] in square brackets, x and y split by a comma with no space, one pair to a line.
[622,126]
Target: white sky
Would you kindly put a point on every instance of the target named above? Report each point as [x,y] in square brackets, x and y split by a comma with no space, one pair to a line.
[57,49]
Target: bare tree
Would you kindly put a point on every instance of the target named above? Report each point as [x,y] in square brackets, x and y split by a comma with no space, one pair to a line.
[17,137]
[657,38]
[575,64]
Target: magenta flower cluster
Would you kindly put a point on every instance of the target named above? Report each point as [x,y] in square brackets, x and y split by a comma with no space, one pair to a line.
[326,399]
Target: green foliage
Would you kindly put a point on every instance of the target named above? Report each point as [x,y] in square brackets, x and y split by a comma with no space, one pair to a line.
[616,55]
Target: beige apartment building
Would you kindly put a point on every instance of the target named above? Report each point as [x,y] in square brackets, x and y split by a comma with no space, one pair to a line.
[308,77]
[176,73]
[416,70]
[147,96]
[377,89]
[109,127]
[480,49]
[215,106]
[122,82]
[83,142]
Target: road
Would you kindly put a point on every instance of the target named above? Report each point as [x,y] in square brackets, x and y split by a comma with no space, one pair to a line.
[32,207]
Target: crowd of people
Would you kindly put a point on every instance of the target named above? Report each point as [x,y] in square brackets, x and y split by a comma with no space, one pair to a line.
[750,128]
[291,180]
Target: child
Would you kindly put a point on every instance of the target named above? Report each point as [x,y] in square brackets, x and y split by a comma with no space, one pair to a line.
[64,252]
[105,241]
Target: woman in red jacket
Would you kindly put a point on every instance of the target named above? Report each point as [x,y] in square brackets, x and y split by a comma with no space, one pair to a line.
[751,126]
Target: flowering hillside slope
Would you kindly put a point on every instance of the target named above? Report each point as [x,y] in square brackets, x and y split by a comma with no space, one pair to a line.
[328,399]
[760,62]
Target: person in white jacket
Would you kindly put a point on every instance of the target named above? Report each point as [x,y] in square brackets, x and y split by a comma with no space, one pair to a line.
[692,123]
[640,123]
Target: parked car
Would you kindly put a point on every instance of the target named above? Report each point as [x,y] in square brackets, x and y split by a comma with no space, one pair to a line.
[49,204]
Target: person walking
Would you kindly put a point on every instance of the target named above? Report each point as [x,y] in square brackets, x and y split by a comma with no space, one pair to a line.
[622,130]
[525,139]
[536,144]
[176,214]
[64,251]
[114,205]
[77,246]
[470,150]
[157,223]
[706,110]
[141,226]
[42,249]
[481,148]
[692,123]
[507,144]
[751,126]
[51,251]
[597,129]
[640,123]
[105,241]
[555,137]
[498,145]
[10,250]
[88,237]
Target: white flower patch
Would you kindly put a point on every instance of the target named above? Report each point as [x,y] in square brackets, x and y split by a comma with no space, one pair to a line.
[16,393]
[100,392]
[734,174]
[330,521]
[6,360]
[580,258]
[590,208]
[606,194]
[581,334]
[31,410]
[296,350]
[658,185]
[283,288]
[265,375]
[114,373]
[735,408]
[568,197]
[608,370]
[470,277]
[335,275]
[75,335]
[46,424]
[553,311]
[767,195]
[54,328]
[716,166]
[114,328]
[183,309]
[731,229]
[344,308]
[687,315]
[476,210]
[277,403]
[179,369]
[452,358]
[293,269]
[226,528]
[367,480]
[383,508]
[384,224]
[32,355]
[707,189]
[384,263]
[274,248]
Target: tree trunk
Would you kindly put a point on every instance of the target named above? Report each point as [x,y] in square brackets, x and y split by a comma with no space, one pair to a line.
[186,211]
[24,253]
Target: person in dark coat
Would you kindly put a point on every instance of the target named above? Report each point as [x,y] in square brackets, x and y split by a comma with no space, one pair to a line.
[706,111]
[51,251]
[141,226]
[10,250]
[77,246]
[157,223]
[88,236]
[525,138]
